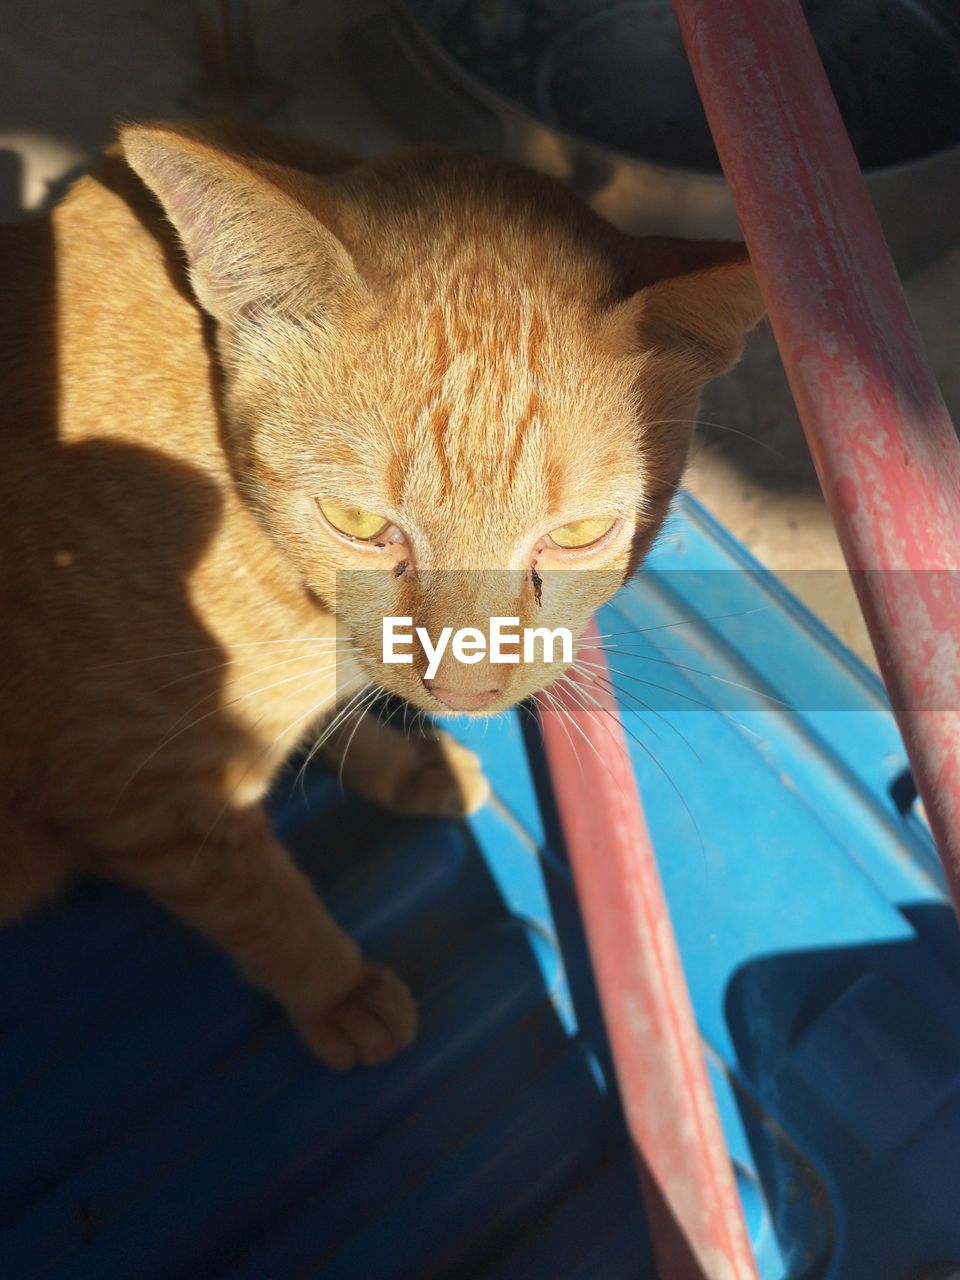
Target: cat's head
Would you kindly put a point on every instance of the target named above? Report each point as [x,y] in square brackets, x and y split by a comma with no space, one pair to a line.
[451,390]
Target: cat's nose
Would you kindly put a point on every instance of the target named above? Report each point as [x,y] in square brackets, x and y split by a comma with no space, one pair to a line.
[462,699]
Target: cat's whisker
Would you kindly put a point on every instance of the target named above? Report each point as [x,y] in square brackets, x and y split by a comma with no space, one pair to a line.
[567,716]
[589,705]
[575,724]
[638,707]
[707,675]
[598,676]
[558,709]
[680,622]
[595,676]
[360,713]
[328,731]
[533,715]
[716,426]
[665,486]
[252,693]
[678,693]
[219,648]
[400,706]
[595,709]
[396,709]
[604,667]
[314,710]
[665,772]
[178,732]
[300,779]
[601,671]
[333,666]
[324,734]
[650,648]
[357,706]
[245,675]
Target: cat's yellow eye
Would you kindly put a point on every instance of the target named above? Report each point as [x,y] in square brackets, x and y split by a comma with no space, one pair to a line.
[353,521]
[580,533]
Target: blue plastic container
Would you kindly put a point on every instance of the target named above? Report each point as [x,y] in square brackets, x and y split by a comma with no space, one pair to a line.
[161,1120]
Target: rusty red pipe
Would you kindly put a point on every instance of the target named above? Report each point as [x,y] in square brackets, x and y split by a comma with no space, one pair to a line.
[692,1200]
[881,438]
[889,463]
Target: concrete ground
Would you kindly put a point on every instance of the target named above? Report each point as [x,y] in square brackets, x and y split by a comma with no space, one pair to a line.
[69,70]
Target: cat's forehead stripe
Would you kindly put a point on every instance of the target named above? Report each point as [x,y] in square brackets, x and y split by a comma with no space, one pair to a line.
[497,410]
[439,347]
[439,426]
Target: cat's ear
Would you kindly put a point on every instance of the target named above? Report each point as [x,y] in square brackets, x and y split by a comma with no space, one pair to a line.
[696,299]
[252,244]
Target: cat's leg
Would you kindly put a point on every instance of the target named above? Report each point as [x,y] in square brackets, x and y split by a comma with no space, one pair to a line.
[35,866]
[408,773]
[240,888]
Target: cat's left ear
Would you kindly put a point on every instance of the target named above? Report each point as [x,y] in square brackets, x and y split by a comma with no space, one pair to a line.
[253,244]
[694,299]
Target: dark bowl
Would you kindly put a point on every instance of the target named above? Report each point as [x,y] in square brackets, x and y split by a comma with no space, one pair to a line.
[599,94]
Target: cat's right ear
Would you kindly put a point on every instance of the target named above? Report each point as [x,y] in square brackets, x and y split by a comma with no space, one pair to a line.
[252,243]
[692,299]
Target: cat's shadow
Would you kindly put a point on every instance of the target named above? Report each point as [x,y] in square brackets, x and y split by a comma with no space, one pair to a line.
[116,528]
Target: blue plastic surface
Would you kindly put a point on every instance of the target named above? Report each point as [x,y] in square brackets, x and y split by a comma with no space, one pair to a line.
[160,1119]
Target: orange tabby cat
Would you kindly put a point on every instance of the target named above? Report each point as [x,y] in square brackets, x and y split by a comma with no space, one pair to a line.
[234,365]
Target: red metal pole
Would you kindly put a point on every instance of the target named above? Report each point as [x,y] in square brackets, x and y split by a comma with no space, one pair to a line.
[692,1200]
[883,444]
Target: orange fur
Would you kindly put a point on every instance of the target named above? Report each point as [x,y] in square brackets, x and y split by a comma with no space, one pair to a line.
[449,340]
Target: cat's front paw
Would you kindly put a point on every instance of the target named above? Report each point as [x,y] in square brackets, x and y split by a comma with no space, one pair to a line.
[412,775]
[447,780]
[371,1023]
